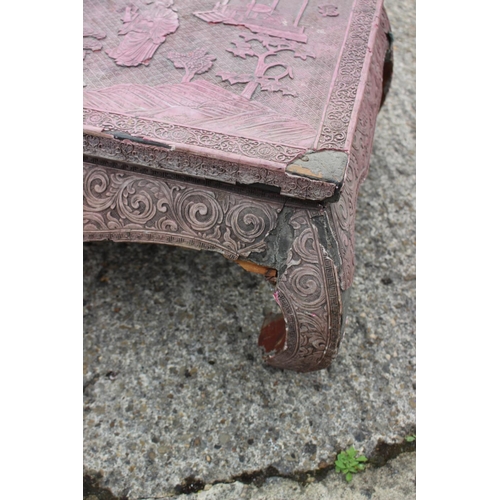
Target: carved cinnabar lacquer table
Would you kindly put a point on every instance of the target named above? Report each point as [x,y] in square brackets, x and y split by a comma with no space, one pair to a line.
[243,127]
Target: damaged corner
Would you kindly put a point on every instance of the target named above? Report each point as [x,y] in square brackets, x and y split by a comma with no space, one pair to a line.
[326,166]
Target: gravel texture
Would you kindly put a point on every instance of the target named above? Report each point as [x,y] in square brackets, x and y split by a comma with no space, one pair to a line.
[174,387]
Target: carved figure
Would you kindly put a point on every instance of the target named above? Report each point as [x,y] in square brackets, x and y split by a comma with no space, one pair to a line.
[144,30]
[261,17]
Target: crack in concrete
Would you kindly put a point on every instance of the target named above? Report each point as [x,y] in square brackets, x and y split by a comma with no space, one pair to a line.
[383,452]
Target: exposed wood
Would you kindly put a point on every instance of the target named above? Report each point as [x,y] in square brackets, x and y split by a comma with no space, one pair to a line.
[268,272]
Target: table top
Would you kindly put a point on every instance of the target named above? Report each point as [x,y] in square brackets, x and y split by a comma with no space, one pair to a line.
[259,83]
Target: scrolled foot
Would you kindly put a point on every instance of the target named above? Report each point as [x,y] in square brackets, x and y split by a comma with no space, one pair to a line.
[307,336]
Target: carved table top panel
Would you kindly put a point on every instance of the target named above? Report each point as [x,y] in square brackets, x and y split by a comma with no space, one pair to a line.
[256,82]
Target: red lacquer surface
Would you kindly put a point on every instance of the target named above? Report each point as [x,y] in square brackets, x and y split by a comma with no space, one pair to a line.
[278,95]
[272,72]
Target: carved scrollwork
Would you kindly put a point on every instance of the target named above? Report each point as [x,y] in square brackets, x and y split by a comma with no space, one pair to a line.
[248,221]
[309,296]
[199,211]
[124,206]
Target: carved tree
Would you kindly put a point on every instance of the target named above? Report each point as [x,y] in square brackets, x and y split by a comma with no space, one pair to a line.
[272,46]
[196,62]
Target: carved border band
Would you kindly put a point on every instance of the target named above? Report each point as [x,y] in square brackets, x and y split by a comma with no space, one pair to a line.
[133,207]
[170,132]
[343,212]
[202,167]
[335,127]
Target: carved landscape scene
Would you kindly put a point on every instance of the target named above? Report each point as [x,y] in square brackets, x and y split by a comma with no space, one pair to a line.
[241,67]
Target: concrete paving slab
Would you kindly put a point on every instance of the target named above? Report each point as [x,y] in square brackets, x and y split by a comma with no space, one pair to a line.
[395,481]
[175,394]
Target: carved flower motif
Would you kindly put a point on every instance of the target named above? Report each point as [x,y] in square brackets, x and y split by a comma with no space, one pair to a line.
[328,10]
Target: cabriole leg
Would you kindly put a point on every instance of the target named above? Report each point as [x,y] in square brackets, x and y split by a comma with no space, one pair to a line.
[307,337]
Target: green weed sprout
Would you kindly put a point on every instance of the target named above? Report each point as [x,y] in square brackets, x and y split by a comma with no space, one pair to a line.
[411,438]
[348,463]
